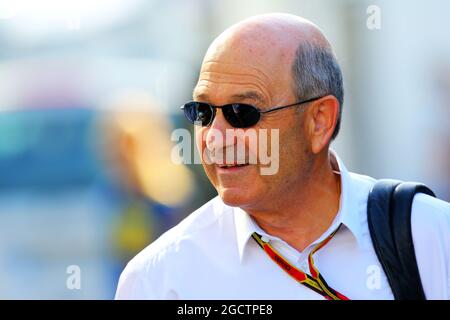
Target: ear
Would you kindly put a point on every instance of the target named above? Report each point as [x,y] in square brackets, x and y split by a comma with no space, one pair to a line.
[322,115]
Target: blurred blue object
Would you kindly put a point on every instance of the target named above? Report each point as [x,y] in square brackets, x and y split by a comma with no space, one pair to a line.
[46,149]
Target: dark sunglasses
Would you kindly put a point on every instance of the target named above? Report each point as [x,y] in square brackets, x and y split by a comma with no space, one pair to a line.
[239,115]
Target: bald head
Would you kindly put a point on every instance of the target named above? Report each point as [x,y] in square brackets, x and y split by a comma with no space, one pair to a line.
[280,57]
[279,32]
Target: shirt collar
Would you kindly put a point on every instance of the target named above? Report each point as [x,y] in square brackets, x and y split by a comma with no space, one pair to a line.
[245,226]
[348,214]
[349,211]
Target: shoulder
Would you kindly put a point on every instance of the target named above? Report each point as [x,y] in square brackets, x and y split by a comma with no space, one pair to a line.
[430,226]
[201,220]
[430,218]
[360,186]
[144,273]
[428,213]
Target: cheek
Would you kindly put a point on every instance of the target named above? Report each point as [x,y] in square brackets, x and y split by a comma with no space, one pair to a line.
[249,145]
[261,143]
[200,143]
[291,150]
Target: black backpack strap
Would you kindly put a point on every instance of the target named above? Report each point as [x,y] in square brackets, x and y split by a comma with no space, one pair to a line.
[401,224]
[378,219]
[389,219]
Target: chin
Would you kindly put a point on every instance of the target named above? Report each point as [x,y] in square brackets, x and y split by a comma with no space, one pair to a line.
[234,197]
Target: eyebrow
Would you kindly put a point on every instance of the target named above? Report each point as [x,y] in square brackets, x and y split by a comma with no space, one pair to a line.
[247,95]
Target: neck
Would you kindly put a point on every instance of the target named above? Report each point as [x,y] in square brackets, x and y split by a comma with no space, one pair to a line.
[307,212]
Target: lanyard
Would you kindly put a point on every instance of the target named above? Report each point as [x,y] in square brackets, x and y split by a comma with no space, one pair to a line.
[315,281]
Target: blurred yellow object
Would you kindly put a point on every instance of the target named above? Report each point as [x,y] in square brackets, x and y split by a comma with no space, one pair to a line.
[134,230]
[140,141]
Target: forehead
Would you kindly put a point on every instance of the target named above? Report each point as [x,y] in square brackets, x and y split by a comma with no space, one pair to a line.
[234,81]
[220,68]
[246,61]
[225,82]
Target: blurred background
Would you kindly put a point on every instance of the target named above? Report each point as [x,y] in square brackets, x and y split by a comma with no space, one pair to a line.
[90,92]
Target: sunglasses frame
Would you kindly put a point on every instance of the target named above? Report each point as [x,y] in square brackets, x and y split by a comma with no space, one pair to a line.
[260,112]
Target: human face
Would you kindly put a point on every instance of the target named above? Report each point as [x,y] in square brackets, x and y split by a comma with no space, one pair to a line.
[262,85]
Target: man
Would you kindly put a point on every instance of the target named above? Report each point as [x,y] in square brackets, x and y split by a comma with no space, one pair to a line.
[270,236]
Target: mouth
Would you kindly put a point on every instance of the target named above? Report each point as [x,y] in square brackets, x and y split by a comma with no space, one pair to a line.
[231,167]
[225,166]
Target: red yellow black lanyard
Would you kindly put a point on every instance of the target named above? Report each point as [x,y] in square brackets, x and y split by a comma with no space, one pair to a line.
[315,281]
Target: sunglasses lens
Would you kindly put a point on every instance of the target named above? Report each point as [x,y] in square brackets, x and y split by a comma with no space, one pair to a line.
[198,112]
[241,115]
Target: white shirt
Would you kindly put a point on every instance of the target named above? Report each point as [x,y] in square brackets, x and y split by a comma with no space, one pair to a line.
[211,254]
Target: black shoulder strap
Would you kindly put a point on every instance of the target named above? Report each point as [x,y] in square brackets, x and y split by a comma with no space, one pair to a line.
[389,219]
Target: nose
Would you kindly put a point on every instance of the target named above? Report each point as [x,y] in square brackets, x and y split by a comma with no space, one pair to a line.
[216,137]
